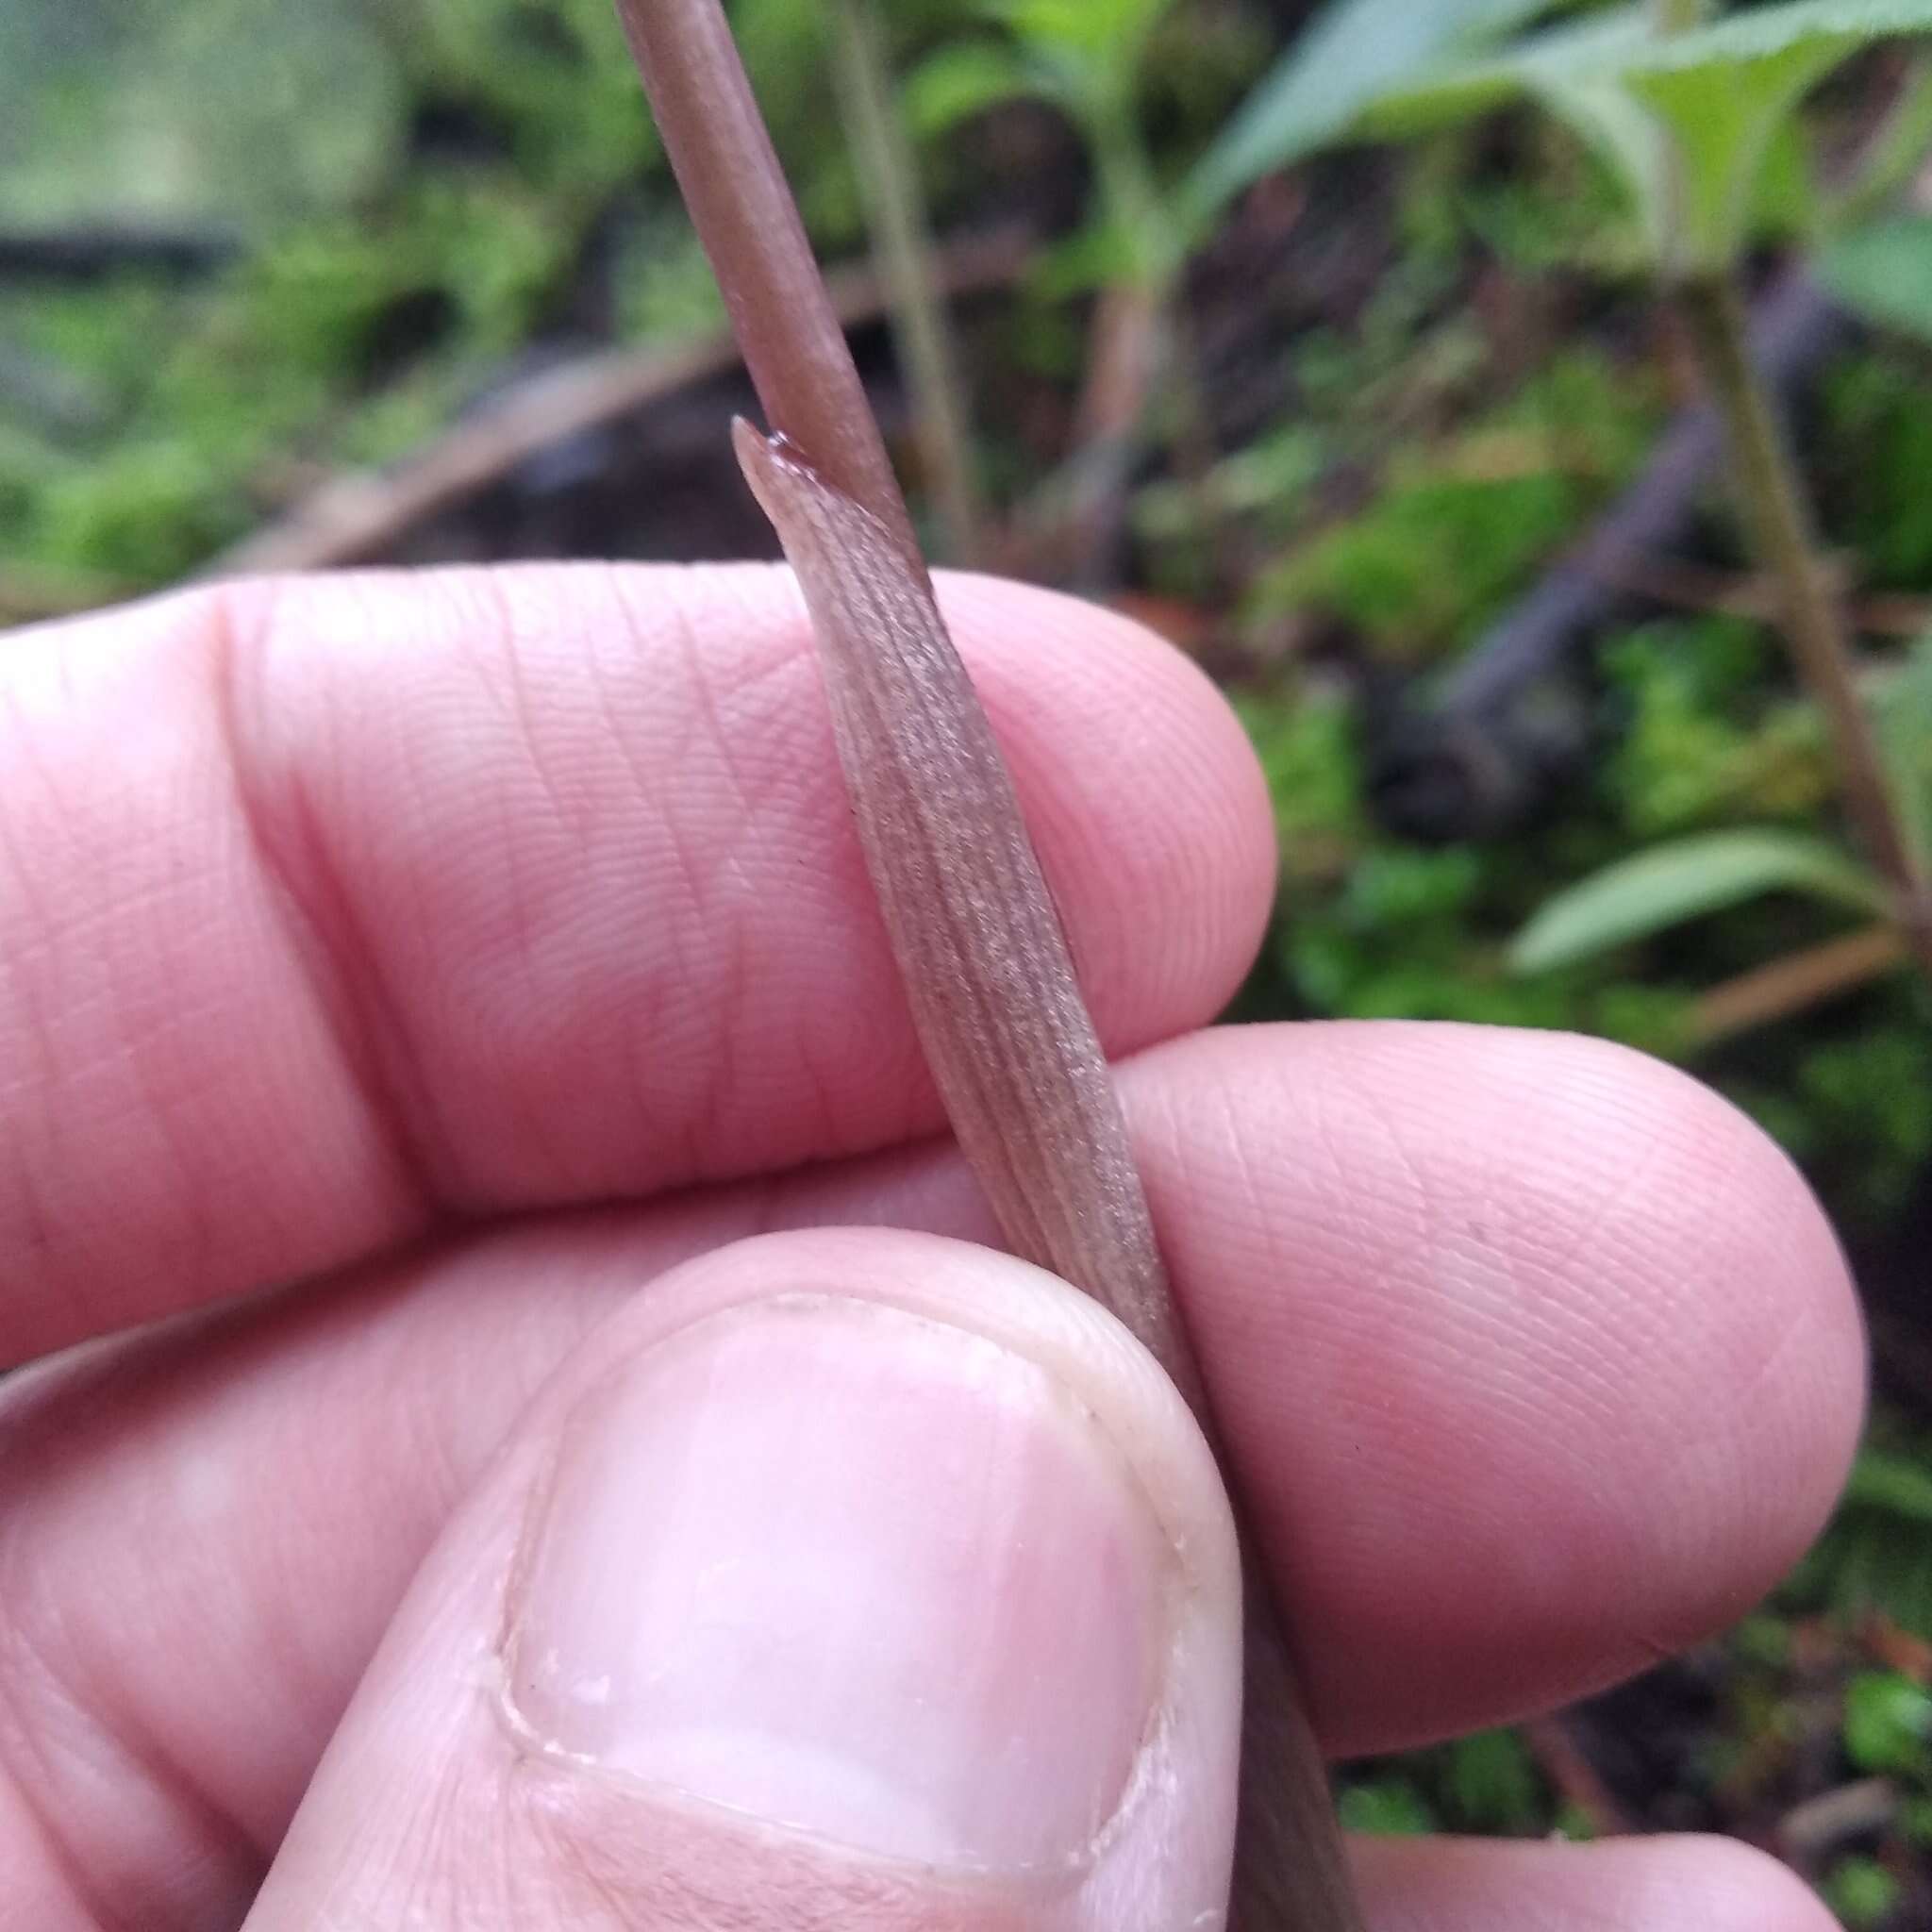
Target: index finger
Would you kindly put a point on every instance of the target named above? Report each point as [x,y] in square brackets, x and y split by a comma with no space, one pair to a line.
[339,906]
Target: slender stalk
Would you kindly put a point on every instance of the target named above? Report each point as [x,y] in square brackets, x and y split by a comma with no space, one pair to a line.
[749,223]
[979,947]
[1780,525]
[1796,984]
[895,213]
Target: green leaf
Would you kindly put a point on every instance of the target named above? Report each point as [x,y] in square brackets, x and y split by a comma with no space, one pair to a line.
[1898,1485]
[1687,119]
[1351,53]
[1887,1719]
[967,78]
[1883,270]
[1092,25]
[1669,884]
[1389,1807]
[1722,117]
[1862,1892]
[1493,1782]
[1457,89]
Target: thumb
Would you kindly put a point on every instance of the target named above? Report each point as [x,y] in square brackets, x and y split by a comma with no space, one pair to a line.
[844,1579]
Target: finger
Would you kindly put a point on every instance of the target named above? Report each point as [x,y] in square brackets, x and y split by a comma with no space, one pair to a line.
[885,1584]
[1495,1470]
[1625,1885]
[1541,1360]
[337,906]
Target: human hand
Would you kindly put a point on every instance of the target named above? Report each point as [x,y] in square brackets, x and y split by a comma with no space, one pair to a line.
[415,989]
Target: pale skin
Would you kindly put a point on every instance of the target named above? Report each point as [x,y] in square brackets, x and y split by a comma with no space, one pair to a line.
[415,990]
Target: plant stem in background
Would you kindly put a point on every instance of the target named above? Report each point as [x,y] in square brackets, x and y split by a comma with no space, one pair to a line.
[1780,525]
[978,945]
[1796,984]
[895,213]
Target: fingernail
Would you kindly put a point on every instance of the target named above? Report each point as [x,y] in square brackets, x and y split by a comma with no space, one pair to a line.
[853,1572]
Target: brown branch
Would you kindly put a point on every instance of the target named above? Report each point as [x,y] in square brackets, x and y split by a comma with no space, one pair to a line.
[355,517]
[1698,587]
[1796,984]
[741,206]
[1809,1833]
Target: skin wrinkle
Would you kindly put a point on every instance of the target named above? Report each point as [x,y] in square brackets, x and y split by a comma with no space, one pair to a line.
[130,1760]
[513,637]
[733,972]
[350,793]
[320,955]
[31,1221]
[827,799]
[460,1358]
[528,923]
[1168,1148]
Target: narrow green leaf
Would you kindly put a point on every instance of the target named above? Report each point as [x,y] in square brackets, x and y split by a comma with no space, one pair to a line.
[1887,1718]
[1453,89]
[1722,117]
[1686,879]
[1883,270]
[1352,53]
[1603,114]
[1766,31]
[1898,1485]
[966,78]
[1713,99]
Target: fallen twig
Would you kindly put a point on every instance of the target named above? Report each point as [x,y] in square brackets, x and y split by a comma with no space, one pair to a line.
[1809,1833]
[358,516]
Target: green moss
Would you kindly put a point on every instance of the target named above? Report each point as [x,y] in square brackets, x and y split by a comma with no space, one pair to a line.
[1872,461]
[1456,531]
[1862,1892]
[1708,738]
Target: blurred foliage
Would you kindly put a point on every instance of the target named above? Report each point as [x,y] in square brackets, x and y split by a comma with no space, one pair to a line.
[1486,1784]
[1459,528]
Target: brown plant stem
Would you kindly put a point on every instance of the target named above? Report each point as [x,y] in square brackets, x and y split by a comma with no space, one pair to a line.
[895,213]
[1796,984]
[749,224]
[979,947]
[1780,525]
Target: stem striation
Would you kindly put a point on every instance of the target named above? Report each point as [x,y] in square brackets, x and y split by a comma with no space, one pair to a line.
[979,944]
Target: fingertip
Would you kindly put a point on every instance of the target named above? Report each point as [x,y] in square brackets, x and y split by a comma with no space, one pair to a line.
[1620,1885]
[1542,1357]
[842,1578]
